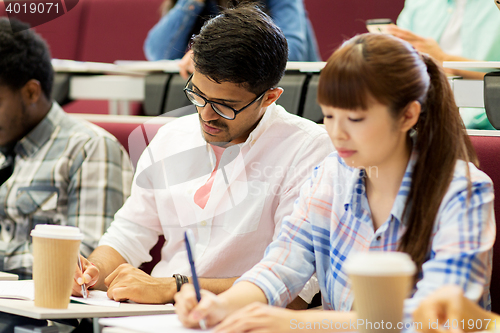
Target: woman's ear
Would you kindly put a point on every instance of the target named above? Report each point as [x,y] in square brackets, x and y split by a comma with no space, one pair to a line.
[410,116]
[271,96]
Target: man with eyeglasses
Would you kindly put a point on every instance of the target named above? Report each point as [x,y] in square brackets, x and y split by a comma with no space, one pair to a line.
[230,173]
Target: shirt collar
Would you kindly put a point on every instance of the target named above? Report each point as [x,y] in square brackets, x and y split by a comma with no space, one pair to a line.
[6,150]
[357,188]
[264,123]
[42,132]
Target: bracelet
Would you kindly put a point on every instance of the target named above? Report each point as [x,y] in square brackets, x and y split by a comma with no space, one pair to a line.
[180,280]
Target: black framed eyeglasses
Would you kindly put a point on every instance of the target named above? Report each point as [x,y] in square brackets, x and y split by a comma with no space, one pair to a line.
[222,110]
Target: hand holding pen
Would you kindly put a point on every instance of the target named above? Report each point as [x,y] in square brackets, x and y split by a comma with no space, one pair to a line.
[197,307]
[190,246]
[86,275]
[84,288]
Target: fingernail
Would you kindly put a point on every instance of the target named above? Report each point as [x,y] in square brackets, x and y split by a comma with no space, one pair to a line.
[87,277]
[79,280]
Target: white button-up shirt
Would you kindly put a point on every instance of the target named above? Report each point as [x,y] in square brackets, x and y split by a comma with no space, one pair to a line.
[253,190]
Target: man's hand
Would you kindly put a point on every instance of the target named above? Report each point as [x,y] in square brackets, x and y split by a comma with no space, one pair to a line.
[186,65]
[449,304]
[88,275]
[421,44]
[129,283]
[190,312]
[258,317]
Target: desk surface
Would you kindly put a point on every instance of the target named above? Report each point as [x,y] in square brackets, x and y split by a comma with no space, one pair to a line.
[8,277]
[484,66]
[116,330]
[144,67]
[75,310]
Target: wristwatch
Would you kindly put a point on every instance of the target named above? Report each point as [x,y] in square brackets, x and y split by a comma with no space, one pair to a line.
[180,280]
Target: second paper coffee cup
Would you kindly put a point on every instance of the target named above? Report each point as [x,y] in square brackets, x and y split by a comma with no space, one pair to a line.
[55,254]
[381,281]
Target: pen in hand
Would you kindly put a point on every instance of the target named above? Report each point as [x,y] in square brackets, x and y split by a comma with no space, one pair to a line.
[189,238]
[84,290]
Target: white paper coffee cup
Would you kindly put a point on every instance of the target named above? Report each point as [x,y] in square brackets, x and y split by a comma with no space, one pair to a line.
[381,281]
[55,254]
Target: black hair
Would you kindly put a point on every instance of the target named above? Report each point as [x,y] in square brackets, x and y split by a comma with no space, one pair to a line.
[242,45]
[24,55]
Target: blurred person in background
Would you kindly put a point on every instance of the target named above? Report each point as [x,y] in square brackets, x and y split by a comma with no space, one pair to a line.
[169,38]
[54,169]
[453,30]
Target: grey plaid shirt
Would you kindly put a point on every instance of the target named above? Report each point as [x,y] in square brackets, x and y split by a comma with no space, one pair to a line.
[67,172]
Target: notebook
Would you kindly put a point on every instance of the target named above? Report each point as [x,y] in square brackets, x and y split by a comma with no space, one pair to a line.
[150,324]
[25,290]
[22,289]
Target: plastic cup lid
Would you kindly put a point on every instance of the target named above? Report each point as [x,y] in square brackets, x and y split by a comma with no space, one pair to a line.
[57,232]
[379,264]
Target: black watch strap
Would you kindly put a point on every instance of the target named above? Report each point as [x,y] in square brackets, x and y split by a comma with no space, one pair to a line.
[180,280]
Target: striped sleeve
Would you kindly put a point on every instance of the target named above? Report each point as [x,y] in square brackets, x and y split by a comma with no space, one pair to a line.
[289,261]
[461,246]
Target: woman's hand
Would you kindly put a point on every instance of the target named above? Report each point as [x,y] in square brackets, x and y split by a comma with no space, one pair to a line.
[211,308]
[260,317]
[448,305]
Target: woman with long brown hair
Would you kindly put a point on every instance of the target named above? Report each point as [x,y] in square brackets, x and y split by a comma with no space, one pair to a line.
[404,178]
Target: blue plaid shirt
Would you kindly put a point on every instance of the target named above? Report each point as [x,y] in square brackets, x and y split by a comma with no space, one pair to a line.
[332,219]
[67,172]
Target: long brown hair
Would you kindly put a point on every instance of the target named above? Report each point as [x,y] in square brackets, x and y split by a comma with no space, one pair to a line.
[395,74]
